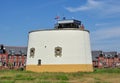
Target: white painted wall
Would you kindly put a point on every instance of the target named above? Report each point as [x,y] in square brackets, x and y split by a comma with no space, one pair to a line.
[75,47]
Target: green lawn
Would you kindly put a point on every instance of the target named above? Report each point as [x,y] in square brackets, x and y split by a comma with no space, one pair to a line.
[98,76]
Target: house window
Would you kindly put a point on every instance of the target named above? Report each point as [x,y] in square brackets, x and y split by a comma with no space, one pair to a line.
[4,63]
[20,63]
[24,57]
[15,58]
[4,58]
[20,58]
[32,52]
[12,52]
[58,51]
[0,59]
[21,52]
[9,57]
[14,63]
[0,63]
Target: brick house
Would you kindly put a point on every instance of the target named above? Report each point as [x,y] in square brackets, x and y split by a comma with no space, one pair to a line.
[105,59]
[12,57]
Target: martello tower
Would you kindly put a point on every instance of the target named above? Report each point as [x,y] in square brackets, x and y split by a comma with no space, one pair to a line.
[66,48]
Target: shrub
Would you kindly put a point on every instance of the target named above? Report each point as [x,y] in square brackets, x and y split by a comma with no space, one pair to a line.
[6,78]
[6,81]
[61,77]
[44,82]
[107,70]
[22,77]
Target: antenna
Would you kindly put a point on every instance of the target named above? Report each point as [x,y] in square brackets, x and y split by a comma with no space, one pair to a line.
[63,17]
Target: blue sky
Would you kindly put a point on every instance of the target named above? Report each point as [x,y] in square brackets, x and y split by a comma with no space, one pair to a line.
[100,17]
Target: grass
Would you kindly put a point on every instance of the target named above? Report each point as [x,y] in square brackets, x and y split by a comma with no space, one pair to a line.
[109,70]
[98,76]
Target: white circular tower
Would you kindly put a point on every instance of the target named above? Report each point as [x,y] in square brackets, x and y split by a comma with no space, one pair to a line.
[63,49]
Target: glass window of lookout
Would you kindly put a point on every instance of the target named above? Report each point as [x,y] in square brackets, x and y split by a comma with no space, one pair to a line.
[68,24]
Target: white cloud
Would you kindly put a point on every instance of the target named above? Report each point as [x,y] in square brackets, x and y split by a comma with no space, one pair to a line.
[89,5]
[106,33]
[105,7]
[101,24]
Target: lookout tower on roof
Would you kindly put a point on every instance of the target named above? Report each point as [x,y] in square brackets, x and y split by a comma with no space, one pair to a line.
[69,24]
[66,48]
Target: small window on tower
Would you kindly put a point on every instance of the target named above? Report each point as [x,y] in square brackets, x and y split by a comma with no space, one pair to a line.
[39,61]
[32,52]
[58,51]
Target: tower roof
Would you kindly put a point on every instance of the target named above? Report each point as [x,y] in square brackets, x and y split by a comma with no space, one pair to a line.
[67,23]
